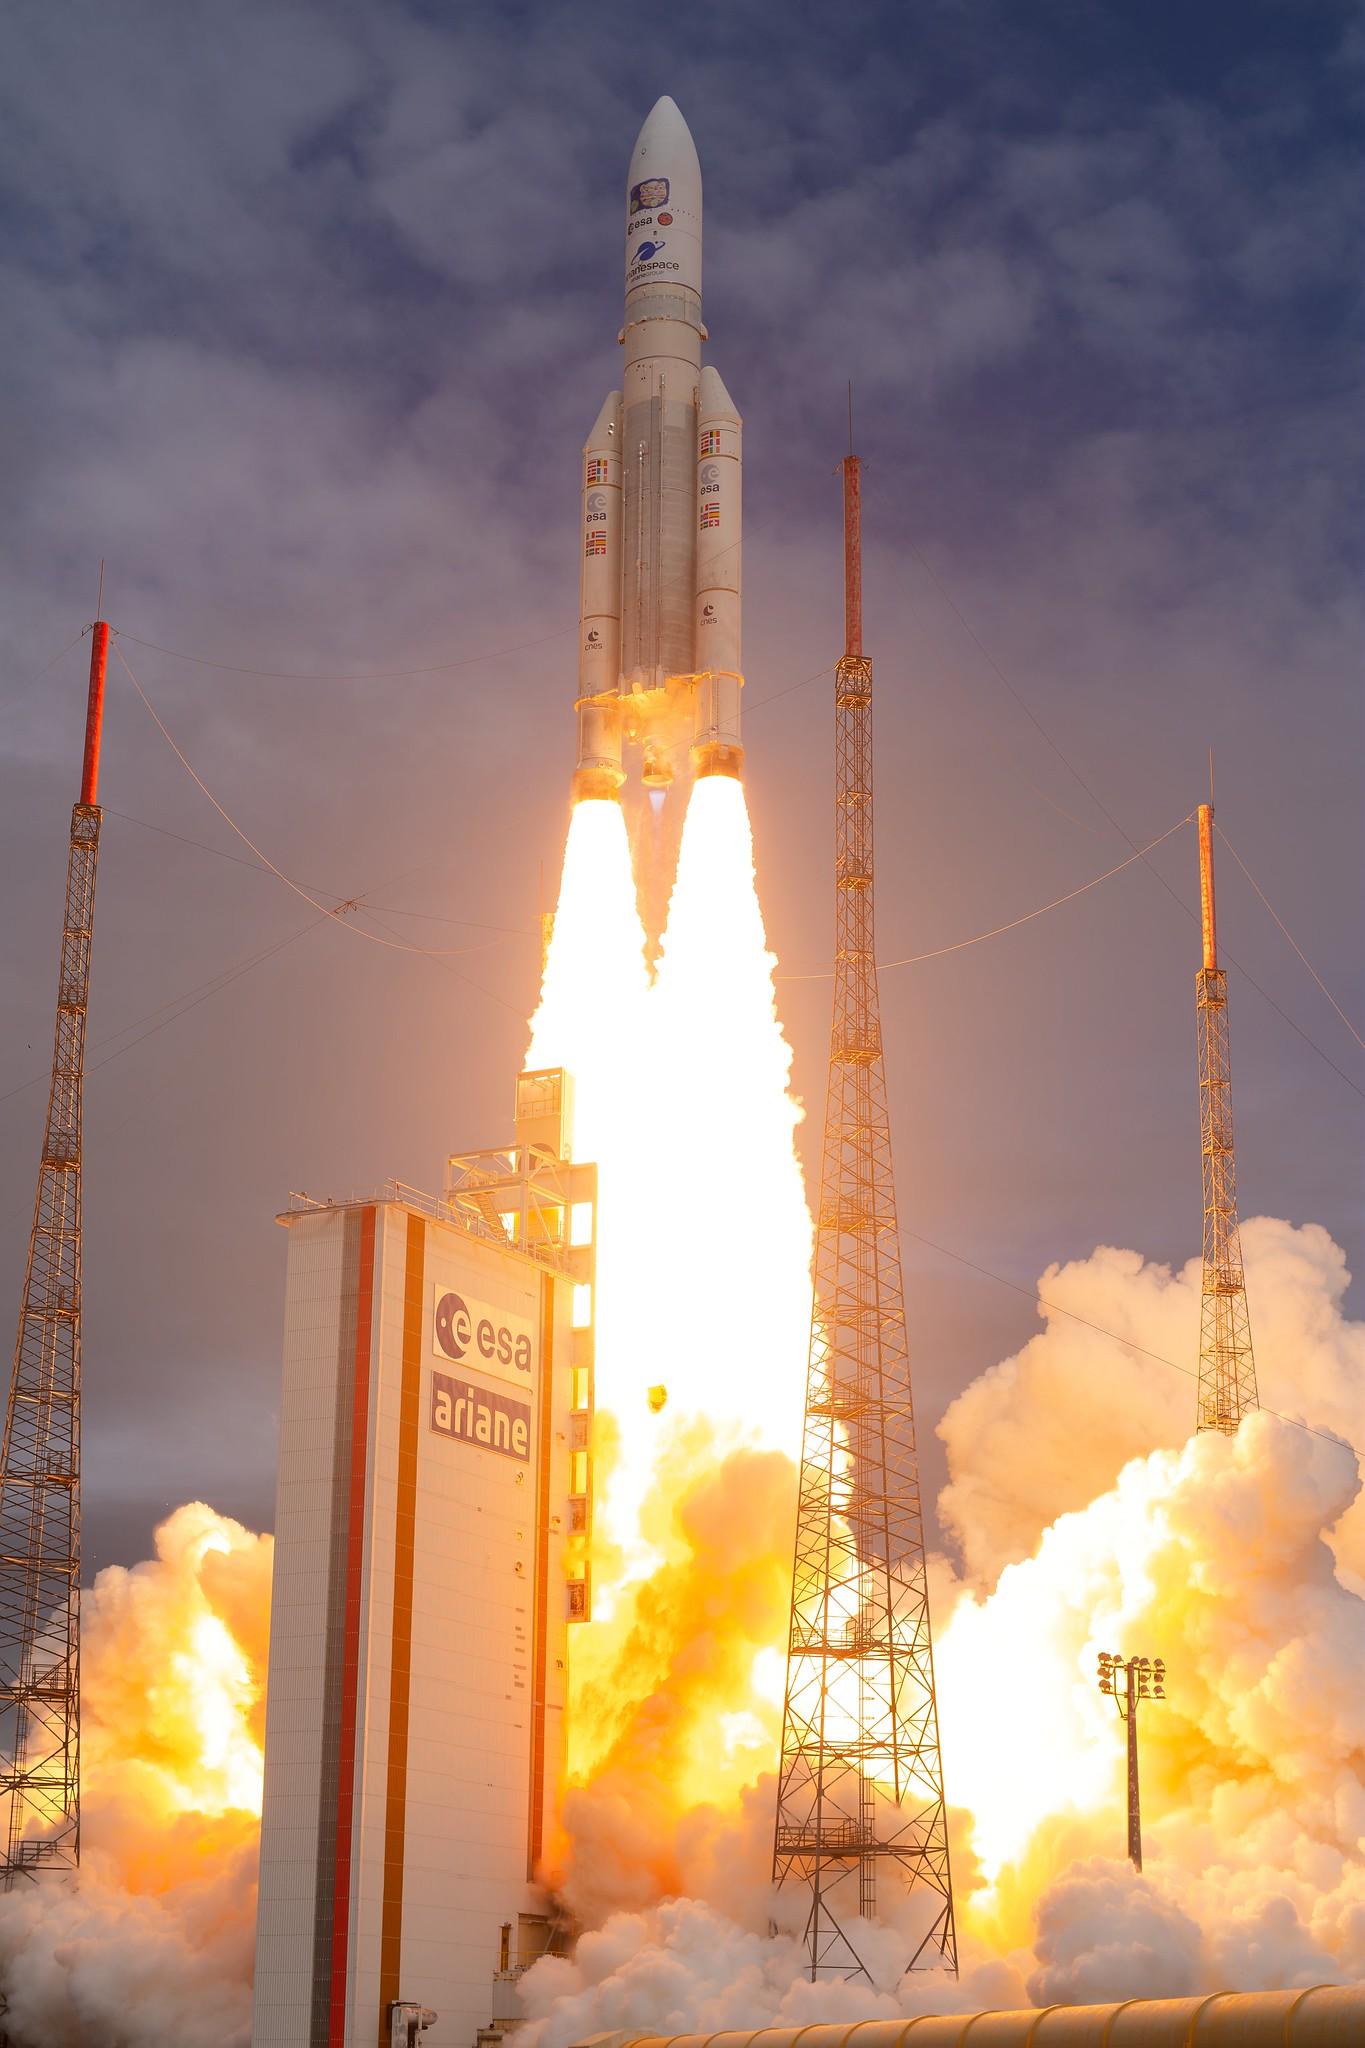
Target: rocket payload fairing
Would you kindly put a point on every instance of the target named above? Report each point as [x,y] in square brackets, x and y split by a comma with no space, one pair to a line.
[659,640]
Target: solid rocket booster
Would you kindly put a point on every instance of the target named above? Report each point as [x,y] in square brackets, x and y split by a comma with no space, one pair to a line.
[659,643]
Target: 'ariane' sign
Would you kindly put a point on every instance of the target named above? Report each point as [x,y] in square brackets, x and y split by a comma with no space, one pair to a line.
[477,1416]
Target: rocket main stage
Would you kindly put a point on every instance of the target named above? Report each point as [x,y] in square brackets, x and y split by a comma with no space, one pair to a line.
[659,626]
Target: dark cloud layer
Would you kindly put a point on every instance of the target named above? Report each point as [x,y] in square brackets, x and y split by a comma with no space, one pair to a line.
[307,310]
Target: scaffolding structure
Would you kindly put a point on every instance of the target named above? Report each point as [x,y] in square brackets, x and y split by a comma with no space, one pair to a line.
[1227,1368]
[40,1460]
[861,1828]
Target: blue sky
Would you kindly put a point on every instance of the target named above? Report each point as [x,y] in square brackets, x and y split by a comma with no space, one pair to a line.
[308,309]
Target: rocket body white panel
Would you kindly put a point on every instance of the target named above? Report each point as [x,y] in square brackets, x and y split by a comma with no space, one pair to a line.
[659,538]
[720,474]
[599,608]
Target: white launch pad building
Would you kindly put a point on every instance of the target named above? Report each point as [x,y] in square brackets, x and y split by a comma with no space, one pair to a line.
[431,1526]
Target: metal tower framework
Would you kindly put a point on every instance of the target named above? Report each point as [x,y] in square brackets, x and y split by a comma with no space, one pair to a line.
[40,1461]
[1227,1368]
[861,1826]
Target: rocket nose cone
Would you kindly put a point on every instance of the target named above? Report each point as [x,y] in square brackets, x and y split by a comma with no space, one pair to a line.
[665,134]
[663,205]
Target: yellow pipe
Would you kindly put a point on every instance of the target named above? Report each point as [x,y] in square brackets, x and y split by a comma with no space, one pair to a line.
[1327,2016]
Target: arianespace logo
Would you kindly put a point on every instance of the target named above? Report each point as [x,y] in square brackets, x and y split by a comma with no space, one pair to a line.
[485,1339]
[476,1415]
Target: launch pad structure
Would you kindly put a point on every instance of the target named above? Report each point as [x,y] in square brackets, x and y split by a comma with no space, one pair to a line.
[40,1459]
[1227,1367]
[861,1828]
[433,1516]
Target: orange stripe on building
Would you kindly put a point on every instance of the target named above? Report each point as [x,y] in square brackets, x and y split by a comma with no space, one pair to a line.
[400,1674]
[350,1663]
[535,1833]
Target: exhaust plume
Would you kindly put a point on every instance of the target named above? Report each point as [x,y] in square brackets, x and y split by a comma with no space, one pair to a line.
[703,1280]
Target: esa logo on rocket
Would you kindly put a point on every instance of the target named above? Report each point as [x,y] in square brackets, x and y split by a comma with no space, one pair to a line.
[487,1339]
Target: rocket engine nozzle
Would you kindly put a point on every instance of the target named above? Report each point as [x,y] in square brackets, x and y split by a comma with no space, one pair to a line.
[597,785]
[718,757]
[657,772]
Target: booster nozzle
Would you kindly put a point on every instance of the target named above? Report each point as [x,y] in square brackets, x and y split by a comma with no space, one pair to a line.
[718,757]
[657,772]
[597,785]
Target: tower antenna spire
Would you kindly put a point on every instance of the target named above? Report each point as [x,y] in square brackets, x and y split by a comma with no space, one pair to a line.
[1227,1366]
[861,1820]
[40,1456]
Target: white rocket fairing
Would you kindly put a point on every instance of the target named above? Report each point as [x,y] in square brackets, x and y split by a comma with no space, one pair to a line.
[659,644]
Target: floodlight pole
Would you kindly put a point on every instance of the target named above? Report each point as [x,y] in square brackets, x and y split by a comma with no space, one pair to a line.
[1131,1680]
[1129,1711]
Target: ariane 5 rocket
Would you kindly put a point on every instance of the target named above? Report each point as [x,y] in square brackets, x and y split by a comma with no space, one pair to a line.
[659,647]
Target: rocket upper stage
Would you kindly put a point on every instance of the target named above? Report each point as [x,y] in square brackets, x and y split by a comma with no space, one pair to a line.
[660,584]
[663,208]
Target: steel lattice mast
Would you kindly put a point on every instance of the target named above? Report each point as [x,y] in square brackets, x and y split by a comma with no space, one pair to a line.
[861,1825]
[40,1462]
[1227,1369]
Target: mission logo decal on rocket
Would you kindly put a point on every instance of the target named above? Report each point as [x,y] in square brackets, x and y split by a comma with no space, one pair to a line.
[487,1340]
[474,1415]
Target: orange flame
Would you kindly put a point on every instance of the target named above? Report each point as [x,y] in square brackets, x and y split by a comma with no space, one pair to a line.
[174,1655]
[704,1240]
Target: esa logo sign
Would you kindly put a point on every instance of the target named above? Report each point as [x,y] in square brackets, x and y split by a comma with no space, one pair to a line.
[485,1339]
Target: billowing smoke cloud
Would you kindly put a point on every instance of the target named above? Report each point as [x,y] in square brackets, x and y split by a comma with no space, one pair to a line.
[1230,1558]
[686,1966]
[1083,1405]
[1234,1559]
[681,1733]
[153,1946]
[1213,1557]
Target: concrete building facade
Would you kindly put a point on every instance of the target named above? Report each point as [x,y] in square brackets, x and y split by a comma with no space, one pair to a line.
[431,1522]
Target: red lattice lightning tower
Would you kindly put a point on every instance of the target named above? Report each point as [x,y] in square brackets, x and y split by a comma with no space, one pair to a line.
[40,1462]
[861,1826]
[1227,1369]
